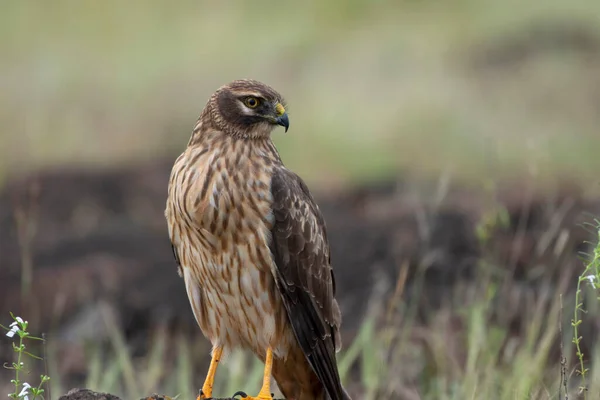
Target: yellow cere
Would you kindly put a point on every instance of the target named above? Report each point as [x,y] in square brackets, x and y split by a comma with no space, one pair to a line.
[279,109]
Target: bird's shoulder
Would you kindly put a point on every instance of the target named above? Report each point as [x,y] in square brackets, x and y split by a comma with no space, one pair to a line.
[300,244]
[293,199]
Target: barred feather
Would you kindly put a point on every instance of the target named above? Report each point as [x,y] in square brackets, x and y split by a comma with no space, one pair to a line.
[252,246]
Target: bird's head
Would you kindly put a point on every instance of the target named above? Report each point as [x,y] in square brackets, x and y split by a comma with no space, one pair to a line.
[248,109]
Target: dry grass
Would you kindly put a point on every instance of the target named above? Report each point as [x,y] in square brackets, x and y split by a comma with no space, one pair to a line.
[469,348]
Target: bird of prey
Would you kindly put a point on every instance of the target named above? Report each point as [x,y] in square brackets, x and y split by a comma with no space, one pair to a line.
[252,247]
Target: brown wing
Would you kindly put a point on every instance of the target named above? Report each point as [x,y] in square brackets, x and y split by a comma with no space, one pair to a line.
[304,276]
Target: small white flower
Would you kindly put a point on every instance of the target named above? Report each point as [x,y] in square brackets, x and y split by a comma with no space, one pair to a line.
[13,330]
[13,324]
[19,319]
[592,279]
[23,395]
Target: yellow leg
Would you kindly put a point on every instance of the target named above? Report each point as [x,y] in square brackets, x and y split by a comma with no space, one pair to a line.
[265,390]
[210,376]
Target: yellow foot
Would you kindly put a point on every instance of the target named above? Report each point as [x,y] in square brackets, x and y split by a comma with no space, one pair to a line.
[201,396]
[206,391]
[265,390]
[261,396]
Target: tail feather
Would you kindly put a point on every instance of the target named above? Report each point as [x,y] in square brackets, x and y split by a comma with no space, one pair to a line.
[345,395]
[297,380]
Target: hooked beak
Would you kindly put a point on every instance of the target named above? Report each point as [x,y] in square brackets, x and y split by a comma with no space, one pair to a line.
[282,117]
[283,120]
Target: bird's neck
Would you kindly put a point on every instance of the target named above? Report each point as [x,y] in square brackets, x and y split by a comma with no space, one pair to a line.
[207,138]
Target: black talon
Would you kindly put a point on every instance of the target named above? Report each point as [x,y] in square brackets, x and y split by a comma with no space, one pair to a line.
[239,393]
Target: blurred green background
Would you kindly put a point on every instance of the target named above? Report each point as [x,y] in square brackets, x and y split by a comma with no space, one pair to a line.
[478,88]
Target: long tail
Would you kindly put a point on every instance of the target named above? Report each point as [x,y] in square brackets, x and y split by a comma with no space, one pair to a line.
[345,394]
[296,379]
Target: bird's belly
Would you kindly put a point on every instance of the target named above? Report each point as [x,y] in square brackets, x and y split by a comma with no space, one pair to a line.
[228,266]
[241,305]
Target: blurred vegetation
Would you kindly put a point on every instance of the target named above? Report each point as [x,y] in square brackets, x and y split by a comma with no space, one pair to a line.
[483,90]
[373,86]
[461,353]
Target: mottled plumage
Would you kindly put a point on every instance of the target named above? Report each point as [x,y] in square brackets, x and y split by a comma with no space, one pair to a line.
[252,247]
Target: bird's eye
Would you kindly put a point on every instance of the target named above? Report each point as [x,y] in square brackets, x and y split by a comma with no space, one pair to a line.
[251,102]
